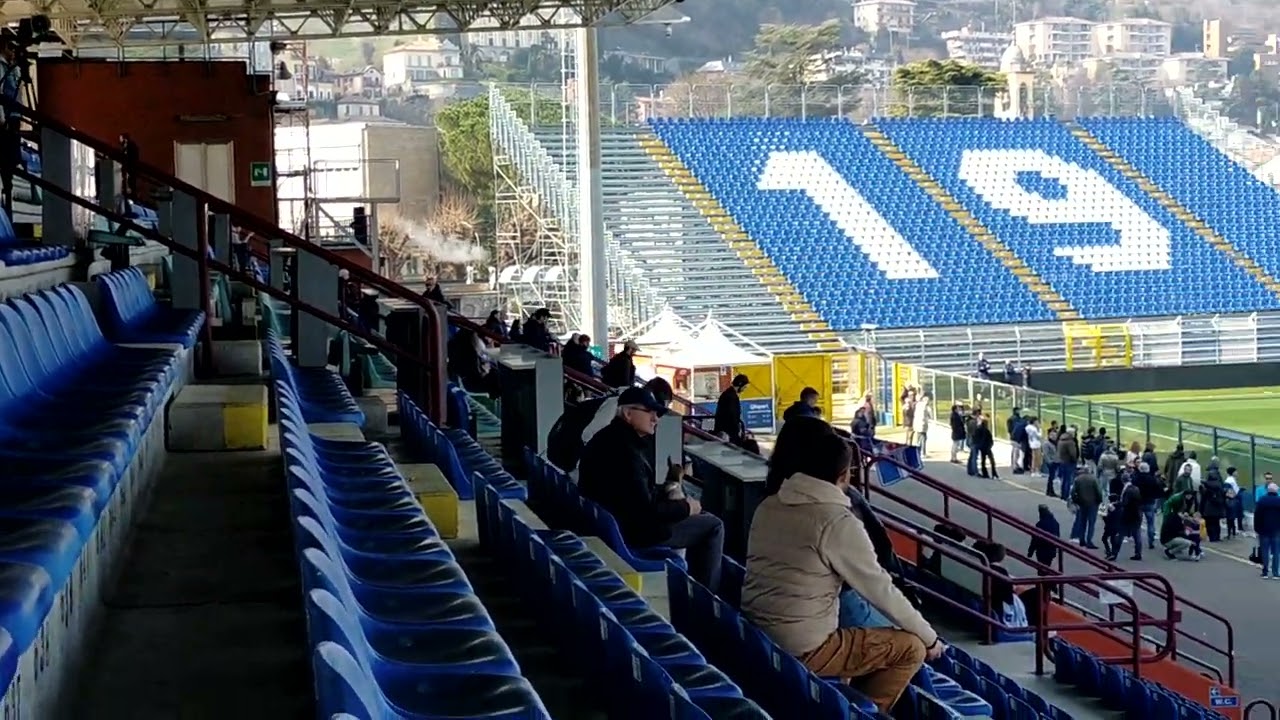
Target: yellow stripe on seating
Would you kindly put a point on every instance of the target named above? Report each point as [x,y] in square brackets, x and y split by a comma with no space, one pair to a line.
[244,425]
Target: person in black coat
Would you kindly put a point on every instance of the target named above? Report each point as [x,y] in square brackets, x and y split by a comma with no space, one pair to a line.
[983,442]
[576,354]
[469,366]
[728,421]
[433,292]
[535,333]
[617,472]
[1042,550]
[494,324]
[620,371]
[957,431]
[806,406]
[1213,504]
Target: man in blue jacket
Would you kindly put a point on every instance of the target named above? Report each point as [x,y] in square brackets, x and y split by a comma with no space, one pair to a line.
[1266,522]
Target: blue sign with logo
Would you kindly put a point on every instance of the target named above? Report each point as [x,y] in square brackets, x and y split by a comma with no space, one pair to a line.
[757,413]
[1218,700]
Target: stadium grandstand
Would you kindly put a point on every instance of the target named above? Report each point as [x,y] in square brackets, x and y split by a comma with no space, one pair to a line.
[238,478]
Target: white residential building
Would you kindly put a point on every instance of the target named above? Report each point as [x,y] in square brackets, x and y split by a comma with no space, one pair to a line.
[1193,69]
[431,66]
[498,45]
[895,16]
[1134,35]
[1138,66]
[1055,40]
[977,47]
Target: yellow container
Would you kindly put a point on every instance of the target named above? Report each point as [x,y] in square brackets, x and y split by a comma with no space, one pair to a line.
[436,496]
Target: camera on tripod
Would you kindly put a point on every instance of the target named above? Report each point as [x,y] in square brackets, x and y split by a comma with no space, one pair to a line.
[30,32]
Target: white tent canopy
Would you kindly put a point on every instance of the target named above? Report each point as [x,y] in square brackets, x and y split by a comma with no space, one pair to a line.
[711,345]
[664,330]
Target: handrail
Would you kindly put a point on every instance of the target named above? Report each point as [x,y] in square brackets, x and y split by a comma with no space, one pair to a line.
[214,264]
[244,219]
[993,513]
[1043,628]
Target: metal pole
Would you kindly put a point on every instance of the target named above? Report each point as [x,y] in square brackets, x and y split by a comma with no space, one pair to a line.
[592,262]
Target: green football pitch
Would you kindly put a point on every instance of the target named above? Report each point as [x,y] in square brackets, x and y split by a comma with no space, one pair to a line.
[1239,425]
[1254,410]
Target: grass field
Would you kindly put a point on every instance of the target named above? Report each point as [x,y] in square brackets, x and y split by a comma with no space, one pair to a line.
[1239,425]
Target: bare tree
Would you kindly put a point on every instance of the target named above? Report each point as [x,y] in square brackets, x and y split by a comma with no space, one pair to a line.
[696,95]
[399,245]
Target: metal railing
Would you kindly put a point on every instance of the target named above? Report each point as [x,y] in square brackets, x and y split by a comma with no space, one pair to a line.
[1252,455]
[1156,342]
[627,104]
[1158,595]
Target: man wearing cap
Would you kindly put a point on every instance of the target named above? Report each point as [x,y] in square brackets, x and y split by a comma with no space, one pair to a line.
[617,472]
[1266,522]
[620,371]
[729,410]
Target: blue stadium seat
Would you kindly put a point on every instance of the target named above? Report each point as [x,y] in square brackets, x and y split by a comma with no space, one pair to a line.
[80,442]
[458,454]
[321,394]
[635,660]
[396,628]
[133,315]
[1213,187]
[15,251]
[1105,244]
[822,195]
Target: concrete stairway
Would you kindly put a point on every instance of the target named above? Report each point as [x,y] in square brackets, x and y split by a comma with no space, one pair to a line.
[686,261]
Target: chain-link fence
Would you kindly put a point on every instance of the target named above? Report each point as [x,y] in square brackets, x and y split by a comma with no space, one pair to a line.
[628,104]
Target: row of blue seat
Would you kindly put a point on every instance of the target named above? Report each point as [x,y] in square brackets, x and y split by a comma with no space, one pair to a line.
[459,456]
[324,397]
[16,251]
[396,627]
[1117,687]
[554,496]
[79,444]
[637,664]
[132,314]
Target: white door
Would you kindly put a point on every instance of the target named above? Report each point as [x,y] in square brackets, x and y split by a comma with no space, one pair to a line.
[208,166]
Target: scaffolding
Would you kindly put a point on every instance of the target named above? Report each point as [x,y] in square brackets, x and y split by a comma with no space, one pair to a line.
[536,247]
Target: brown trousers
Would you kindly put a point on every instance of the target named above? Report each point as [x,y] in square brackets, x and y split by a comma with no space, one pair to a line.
[879,662]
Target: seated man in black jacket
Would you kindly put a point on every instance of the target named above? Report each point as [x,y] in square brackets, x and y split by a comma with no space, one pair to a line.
[617,472]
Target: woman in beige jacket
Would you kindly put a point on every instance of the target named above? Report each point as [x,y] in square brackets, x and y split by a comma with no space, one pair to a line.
[804,545]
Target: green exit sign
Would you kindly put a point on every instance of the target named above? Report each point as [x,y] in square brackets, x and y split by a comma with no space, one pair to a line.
[259,174]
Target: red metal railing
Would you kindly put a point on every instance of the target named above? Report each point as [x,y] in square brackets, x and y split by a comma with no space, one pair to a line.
[1160,593]
[1042,628]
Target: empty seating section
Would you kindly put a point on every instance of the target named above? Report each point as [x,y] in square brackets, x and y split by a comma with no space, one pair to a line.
[396,629]
[637,663]
[133,315]
[843,223]
[464,462]
[1102,242]
[15,251]
[81,438]
[1115,686]
[852,217]
[1216,189]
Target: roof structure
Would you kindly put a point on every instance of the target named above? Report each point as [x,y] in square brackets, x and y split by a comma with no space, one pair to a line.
[96,23]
